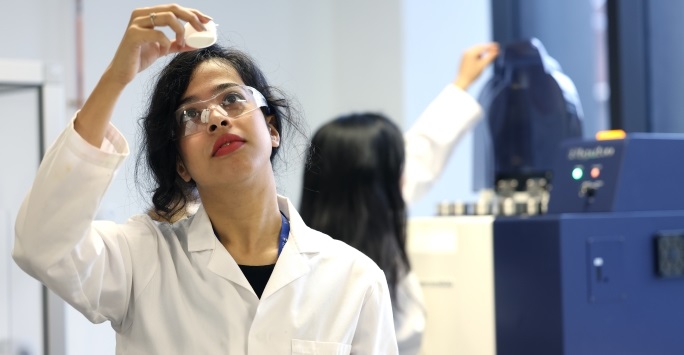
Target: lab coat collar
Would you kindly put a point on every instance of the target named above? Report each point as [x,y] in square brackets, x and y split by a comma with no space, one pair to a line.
[201,235]
[306,239]
[291,265]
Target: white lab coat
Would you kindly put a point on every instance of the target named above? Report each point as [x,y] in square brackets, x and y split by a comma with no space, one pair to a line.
[432,138]
[429,144]
[409,315]
[174,289]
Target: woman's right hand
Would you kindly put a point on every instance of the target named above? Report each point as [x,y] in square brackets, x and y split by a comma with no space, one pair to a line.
[142,43]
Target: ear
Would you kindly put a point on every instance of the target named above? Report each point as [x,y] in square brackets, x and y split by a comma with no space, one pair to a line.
[182,170]
[275,136]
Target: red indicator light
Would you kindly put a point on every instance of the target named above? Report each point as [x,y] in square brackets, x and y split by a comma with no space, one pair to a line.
[595,172]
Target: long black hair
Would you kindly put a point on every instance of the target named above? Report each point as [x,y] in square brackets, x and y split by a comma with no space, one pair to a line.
[159,152]
[352,189]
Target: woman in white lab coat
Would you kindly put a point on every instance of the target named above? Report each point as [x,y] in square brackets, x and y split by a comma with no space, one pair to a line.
[244,275]
[360,176]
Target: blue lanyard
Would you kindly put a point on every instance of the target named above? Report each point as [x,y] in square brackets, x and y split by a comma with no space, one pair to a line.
[284,233]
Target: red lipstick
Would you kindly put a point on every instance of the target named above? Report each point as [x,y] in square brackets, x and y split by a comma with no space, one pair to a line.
[226,144]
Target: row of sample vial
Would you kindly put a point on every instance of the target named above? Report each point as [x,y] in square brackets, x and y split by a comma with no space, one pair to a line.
[514,204]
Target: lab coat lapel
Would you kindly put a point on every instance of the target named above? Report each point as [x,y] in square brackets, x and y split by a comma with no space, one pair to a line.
[201,237]
[293,262]
[291,265]
[222,263]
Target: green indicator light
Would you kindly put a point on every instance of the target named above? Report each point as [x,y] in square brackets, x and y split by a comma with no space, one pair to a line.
[577,173]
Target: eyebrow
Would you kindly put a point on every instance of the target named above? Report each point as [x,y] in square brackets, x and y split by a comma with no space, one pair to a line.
[217,90]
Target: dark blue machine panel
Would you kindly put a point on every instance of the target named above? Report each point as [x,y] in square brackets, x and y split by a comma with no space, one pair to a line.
[603,272]
[583,284]
[638,173]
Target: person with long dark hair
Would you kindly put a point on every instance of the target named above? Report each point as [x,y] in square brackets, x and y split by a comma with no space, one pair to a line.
[360,175]
[242,275]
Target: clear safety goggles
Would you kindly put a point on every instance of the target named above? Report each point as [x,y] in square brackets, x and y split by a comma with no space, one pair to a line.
[232,102]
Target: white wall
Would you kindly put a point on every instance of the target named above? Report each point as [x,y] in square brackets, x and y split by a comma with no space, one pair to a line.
[334,57]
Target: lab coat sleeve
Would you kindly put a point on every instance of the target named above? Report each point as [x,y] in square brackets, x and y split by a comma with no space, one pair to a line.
[375,333]
[56,240]
[432,138]
[410,315]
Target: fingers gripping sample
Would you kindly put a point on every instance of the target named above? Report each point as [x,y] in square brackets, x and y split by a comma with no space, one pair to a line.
[200,39]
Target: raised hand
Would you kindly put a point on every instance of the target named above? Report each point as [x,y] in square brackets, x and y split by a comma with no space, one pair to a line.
[473,62]
[142,43]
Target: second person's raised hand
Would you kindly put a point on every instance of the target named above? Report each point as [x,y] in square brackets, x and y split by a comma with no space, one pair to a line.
[474,60]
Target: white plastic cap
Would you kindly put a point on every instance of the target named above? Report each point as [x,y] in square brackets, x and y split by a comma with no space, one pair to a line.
[200,39]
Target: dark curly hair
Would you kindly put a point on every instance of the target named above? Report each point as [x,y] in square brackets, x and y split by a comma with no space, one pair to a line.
[159,152]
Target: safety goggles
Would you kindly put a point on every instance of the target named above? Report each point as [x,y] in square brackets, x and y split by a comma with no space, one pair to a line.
[232,102]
